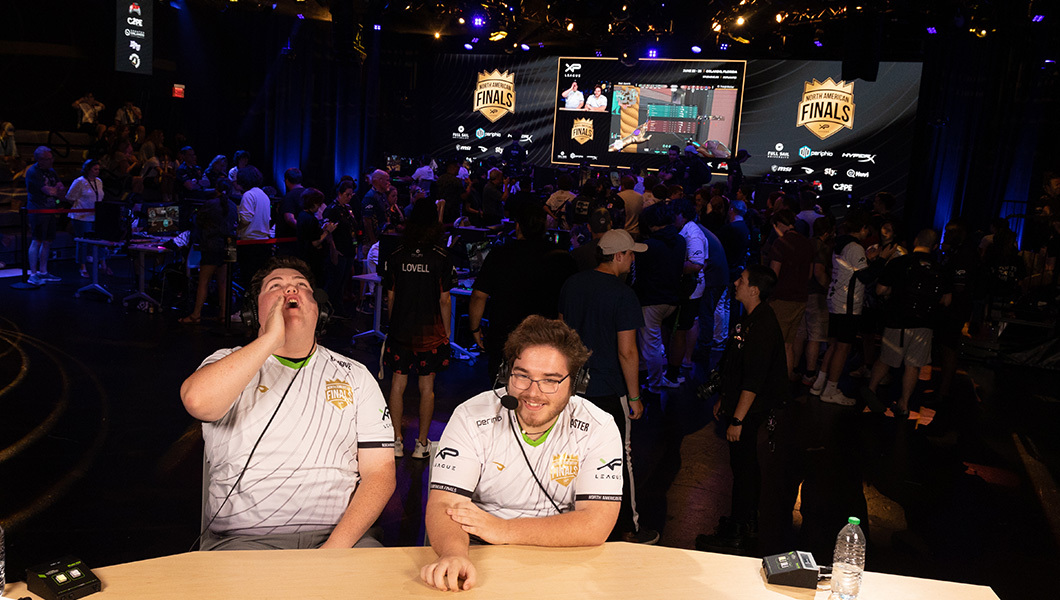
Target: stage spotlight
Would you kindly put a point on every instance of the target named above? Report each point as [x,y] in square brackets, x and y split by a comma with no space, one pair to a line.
[781,16]
[981,33]
[474,40]
[932,30]
[599,53]
[437,35]
[570,26]
[301,17]
[1038,18]
[818,43]
[541,44]
[740,20]
[478,21]
[723,46]
[525,47]
[468,47]
[497,36]
[696,49]
[461,20]
[715,27]
[653,53]
[377,27]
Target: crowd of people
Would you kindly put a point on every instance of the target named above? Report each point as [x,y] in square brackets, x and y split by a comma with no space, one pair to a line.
[753,299]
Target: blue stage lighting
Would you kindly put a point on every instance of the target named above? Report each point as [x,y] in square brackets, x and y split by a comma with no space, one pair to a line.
[653,53]
[468,47]
[696,49]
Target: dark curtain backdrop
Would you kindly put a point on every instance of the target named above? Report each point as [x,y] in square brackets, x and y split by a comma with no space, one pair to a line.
[302,93]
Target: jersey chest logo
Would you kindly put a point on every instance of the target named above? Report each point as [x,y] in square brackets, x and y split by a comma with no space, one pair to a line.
[564,468]
[338,393]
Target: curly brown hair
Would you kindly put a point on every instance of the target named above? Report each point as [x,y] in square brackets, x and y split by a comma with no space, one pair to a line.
[536,330]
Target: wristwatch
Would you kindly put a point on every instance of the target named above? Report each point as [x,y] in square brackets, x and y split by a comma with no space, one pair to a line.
[735,422]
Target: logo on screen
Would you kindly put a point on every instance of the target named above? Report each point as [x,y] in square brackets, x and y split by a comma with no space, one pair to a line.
[495,94]
[826,107]
[582,131]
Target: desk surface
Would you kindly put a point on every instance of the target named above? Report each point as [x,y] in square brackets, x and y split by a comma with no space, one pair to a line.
[613,571]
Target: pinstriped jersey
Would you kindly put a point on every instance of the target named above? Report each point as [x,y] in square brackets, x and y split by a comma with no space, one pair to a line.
[304,471]
[479,457]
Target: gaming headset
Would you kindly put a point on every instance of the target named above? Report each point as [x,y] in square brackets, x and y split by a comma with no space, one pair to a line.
[249,312]
[579,383]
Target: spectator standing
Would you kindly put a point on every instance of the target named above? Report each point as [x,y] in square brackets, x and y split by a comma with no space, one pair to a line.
[852,266]
[129,115]
[88,109]
[373,205]
[518,279]
[791,258]
[753,385]
[693,284]
[84,193]
[254,213]
[417,278]
[240,160]
[343,249]
[215,224]
[556,205]
[634,204]
[606,314]
[313,233]
[657,283]
[585,255]
[43,190]
[493,196]
[814,328]
[915,288]
[288,211]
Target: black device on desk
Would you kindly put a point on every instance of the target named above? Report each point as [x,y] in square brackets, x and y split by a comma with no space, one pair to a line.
[65,579]
[792,568]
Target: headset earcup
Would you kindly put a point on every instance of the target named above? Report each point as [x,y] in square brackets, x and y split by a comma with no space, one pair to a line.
[249,314]
[581,381]
[324,308]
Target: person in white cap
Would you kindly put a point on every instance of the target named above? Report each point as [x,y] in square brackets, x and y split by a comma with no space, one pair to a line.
[606,314]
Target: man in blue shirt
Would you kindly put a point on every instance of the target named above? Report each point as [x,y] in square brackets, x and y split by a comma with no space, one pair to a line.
[43,190]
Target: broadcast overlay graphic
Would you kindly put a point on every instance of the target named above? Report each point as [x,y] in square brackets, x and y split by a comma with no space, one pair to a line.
[797,120]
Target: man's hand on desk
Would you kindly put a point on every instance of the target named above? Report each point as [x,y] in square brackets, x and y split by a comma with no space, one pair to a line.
[446,572]
[477,522]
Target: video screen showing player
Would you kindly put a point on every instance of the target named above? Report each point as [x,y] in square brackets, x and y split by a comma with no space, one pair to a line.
[648,119]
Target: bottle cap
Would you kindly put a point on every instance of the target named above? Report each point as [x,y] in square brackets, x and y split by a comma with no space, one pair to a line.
[854,521]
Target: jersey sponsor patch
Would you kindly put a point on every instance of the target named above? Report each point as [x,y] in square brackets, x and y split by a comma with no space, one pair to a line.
[564,468]
[338,393]
[262,389]
[600,497]
[499,466]
[610,465]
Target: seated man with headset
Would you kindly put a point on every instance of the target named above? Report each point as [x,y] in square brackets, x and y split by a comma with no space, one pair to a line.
[299,440]
[539,466]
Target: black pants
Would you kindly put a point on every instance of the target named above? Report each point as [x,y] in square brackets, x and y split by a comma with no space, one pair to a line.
[618,408]
[746,472]
[252,257]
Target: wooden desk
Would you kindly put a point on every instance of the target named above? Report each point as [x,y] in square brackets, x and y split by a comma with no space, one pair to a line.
[613,571]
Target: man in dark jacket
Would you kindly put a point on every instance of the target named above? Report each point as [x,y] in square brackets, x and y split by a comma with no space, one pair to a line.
[753,385]
[657,283]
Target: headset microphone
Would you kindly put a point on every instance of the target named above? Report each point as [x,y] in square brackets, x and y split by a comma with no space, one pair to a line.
[509,401]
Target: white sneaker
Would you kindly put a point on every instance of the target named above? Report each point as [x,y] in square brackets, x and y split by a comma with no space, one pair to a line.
[818,385]
[422,450]
[35,279]
[399,448]
[838,397]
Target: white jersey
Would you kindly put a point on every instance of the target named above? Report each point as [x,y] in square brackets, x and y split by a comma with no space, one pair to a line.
[695,252]
[304,471]
[480,457]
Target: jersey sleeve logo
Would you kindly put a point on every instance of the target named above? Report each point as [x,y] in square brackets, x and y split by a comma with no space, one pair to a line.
[262,389]
[564,468]
[338,393]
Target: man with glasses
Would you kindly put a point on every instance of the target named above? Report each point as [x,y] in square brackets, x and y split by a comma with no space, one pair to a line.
[545,472]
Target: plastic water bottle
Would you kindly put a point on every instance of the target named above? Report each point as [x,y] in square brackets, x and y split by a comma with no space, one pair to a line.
[848,561]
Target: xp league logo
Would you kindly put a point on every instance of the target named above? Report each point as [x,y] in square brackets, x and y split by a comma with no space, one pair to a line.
[495,94]
[826,107]
[582,131]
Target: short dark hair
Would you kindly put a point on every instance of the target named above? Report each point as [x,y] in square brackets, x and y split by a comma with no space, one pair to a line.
[628,182]
[674,148]
[739,207]
[311,198]
[855,221]
[565,182]
[278,262]
[807,200]
[249,177]
[531,219]
[240,155]
[887,199]
[783,217]
[763,278]
[657,215]
[536,330]
[293,175]
[346,184]
[661,192]
[88,165]
[927,238]
[684,207]
[823,226]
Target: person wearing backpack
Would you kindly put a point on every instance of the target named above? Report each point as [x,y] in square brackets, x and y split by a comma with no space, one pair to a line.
[915,288]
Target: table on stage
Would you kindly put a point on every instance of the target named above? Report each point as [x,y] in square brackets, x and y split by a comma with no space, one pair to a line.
[613,571]
[142,250]
[95,286]
[377,307]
